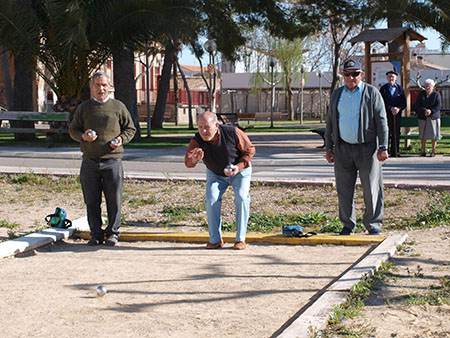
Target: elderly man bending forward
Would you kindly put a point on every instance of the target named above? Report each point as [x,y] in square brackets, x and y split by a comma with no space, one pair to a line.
[226,151]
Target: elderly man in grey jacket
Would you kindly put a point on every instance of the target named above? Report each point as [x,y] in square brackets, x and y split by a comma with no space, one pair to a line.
[356,140]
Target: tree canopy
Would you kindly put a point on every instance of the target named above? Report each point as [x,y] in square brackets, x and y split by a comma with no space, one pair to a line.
[420,14]
[73,38]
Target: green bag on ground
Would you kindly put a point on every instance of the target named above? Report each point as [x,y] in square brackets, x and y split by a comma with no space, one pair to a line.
[58,219]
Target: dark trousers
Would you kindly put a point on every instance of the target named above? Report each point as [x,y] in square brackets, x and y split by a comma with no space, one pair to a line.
[351,160]
[97,176]
[394,133]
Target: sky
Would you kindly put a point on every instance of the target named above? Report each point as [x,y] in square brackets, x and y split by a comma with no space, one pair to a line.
[432,42]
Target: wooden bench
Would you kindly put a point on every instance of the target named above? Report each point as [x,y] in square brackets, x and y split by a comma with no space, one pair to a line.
[231,119]
[49,123]
[412,122]
[321,133]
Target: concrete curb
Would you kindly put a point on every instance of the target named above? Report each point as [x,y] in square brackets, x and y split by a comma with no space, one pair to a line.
[37,239]
[202,237]
[315,317]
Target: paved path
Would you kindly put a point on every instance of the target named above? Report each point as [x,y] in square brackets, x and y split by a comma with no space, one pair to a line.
[280,156]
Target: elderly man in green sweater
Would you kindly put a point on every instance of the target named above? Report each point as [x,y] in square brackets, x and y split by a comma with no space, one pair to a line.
[102,125]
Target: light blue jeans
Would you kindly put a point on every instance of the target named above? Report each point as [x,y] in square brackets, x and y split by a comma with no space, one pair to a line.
[215,187]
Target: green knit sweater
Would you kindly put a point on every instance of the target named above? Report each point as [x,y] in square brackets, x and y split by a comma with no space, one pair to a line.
[109,120]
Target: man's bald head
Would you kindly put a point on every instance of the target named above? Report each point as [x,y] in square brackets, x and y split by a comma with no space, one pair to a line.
[207,125]
[208,116]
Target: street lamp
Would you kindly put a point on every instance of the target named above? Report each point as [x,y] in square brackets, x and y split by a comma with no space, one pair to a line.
[147,90]
[211,47]
[302,83]
[319,74]
[272,63]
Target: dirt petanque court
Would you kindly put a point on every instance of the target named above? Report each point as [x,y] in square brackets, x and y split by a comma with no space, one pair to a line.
[168,289]
[162,289]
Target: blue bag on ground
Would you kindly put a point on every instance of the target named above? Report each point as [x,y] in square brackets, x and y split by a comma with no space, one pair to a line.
[292,230]
[58,219]
[295,231]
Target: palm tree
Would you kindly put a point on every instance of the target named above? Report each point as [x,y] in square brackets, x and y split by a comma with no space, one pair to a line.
[144,21]
[420,14]
[73,38]
[55,33]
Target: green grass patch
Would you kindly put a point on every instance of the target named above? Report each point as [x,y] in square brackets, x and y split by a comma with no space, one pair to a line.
[176,210]
[177,213]
[405,248]
[351,308]
[435,295]
[136,202]
[53,184]
[435,213]
[316,222]
[442,147]
[6,224]
[12,229]
[7,139]
[29,178]
[261,222]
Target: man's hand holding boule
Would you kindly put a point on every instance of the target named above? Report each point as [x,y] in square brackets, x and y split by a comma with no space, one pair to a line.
[234,170]
[330,156]
[116,144]
[89,136]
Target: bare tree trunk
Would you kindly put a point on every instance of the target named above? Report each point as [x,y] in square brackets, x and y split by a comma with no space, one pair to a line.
[175,91]
[7,80]
[163,88]
[335,80]
[124,84]
[291,104]
[23,95]
[188,92]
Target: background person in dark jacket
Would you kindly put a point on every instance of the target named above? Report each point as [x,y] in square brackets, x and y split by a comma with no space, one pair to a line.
[220,146]
[428,109]
[394,102]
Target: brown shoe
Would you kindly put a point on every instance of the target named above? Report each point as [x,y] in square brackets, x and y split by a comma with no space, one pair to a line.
[214,245]
[239,246]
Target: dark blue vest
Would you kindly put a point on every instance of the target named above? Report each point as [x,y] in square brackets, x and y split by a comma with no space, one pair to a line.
[217,157]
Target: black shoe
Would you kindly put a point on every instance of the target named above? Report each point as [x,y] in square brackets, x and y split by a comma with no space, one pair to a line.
[423,154]
[345,232]
[94,242]
[112,240]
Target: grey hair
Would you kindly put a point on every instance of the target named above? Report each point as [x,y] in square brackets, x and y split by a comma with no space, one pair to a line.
[211,116]
[430,82]
[97,75]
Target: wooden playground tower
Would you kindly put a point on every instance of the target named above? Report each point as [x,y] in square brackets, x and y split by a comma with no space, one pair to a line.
[400,35]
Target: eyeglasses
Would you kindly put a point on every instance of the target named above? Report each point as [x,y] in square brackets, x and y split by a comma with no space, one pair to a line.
[352,74]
